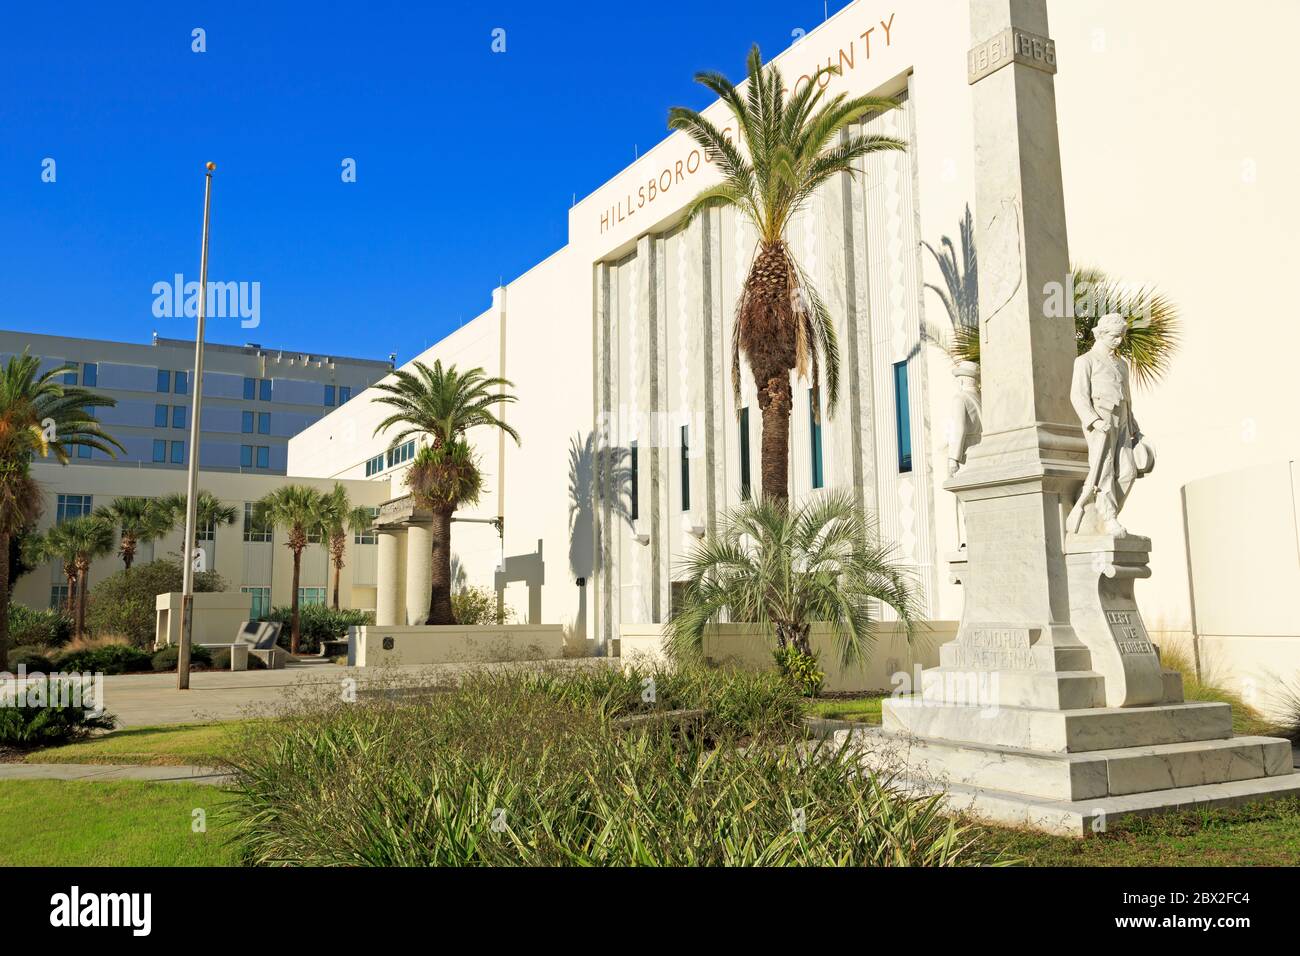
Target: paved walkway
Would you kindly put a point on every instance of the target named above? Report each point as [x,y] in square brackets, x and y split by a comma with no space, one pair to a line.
[101,772]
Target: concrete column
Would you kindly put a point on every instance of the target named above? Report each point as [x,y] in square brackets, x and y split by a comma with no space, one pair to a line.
[419,572]
[386,579]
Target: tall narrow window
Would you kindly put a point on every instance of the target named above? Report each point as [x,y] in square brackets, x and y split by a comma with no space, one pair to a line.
[250,389]
[264,390]
[636,485]
[686,467]
[90,374]
[902,417]
[744,454]
[815,438]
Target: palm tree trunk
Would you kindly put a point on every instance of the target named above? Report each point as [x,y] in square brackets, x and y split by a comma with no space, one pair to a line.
[128,550]
[81,602]
[293,618]
[4,601]
[440,611]
[774,402]
[338,571]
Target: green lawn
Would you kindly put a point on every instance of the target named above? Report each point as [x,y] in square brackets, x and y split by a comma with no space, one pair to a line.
[864,709]
[117,823]
[1265,834]
[169,745]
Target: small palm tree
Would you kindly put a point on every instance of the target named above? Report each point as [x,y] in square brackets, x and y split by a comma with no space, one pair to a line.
[789,146]
[210,513]
[54,545]
[39,415]
[785,568]
[342,519]
[442,478]
[138,521]
[87,538]
[442,405]
[301,512]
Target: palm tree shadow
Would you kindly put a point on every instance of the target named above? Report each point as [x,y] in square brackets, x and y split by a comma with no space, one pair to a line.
[598,474]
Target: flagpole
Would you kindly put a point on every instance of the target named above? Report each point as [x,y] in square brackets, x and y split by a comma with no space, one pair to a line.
[192,486]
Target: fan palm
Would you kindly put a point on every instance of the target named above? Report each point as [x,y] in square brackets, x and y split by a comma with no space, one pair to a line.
[301,512]
[209,513]
[789,146]
[786,568]
[54,545]
[39,415]
[443,404]
[86,539]
[1153,321]
[341,519]
[138,521]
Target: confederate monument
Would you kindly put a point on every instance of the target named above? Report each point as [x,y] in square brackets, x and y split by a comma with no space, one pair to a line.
[1050,708]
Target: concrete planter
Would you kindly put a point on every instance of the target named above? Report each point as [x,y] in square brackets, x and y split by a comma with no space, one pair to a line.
[375,645]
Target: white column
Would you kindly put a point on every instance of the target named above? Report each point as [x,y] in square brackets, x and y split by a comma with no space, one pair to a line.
[386,579]
[419,572]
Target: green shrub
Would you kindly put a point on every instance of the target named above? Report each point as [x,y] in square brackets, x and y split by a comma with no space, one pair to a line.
[497,771]
[42,725]
[167,658]
[33,658]
[43,628]
[108,659]
[221,661]
[802,669]
[125,602]
[316,623]
[479,606]
[1288,706]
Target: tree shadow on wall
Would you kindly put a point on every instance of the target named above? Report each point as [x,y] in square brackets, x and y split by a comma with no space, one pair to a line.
[597,474]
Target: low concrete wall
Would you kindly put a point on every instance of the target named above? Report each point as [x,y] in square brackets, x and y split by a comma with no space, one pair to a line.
[743,646]
[217,616]
[375,645]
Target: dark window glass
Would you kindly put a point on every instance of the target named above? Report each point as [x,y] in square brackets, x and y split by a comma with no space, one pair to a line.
[636,485]
[83,451]
[329,394]
[159,450]
[686,468]
[178,453]
[250,389]
[182,382]
[164,380]
[263,457]
[344,393]
[264,390]
[178,416]
[744,454]
[90,374]
[246,456]
[160,416]
[264,423]
[815,433]
[246,423]
[902,417]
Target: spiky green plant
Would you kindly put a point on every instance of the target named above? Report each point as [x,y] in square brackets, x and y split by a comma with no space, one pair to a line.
[788,147]
[786,567]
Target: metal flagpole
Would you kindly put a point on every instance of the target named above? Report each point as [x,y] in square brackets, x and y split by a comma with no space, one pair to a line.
[192,493]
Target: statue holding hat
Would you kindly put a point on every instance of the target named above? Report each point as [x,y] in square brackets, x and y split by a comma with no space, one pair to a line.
[1117,456]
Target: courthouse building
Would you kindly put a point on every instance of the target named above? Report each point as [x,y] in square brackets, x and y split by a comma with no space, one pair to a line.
[618,343]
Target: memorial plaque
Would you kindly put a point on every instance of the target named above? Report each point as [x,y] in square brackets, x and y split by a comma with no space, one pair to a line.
[1129,632]
[1010,46]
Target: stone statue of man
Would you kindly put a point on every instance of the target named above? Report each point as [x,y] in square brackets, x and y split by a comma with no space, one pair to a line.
[1101,398]
[965,426]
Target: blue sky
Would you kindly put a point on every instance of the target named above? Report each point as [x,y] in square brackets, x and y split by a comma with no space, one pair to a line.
[467,160]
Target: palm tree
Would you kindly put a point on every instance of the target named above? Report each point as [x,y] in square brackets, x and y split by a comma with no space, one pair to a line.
[791,146]
[786,568]
[301,511]
[442,478]
[443,404]
[138,521]
[87,538]
[341,519]
[1153,320]
[55,545]
[209,512]
[39,415]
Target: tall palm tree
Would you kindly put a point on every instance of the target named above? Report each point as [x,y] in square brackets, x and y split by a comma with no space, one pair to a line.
[210,513]
[443,404]
[138,521]
[87,538]
[443,478]
[789,146]
[301,512]
[55,545]
[341,519]
[788,567]
[39,415]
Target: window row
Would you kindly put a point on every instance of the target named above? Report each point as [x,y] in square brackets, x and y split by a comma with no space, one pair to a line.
[169,452]
[254,456]
[174,382]
[257,389]
[262,421]
[87,374]
[162,414]
[394,456]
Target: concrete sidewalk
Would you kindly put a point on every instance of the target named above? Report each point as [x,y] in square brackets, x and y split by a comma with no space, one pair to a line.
[101,772]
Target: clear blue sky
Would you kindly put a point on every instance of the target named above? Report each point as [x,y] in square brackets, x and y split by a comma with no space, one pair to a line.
[467,161]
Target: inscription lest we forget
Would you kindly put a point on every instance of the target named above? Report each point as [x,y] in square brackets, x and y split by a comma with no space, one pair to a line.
[1129,632]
